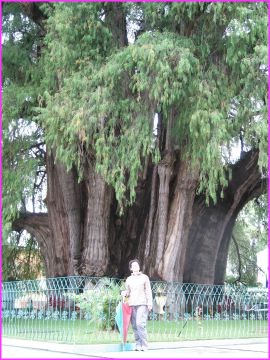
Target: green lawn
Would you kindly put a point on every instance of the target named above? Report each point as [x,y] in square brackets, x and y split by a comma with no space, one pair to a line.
[85,332]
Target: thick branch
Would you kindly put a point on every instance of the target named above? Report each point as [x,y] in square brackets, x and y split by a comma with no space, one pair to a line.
[33,11]
[38,226]
[35,224]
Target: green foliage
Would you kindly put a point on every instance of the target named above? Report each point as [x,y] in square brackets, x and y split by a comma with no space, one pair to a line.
[246,45]
[250,233]
[20,37]
[112,114]
[21,258]
[108,110]
[20,165]
[21,81]
[100,303]
[76,37]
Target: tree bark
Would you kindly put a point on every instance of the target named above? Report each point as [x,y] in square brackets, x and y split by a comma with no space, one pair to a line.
[83,234]
[115,18]
[128,233]
[212,226]
[95,255]
[164,172]
[58,219]
[170,267]
[72,196]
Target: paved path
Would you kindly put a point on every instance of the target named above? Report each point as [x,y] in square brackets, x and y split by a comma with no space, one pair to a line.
[256,348]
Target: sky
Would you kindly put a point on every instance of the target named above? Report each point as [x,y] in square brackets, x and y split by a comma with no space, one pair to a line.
[262,262]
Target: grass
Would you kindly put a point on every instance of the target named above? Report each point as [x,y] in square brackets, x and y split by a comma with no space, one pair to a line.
[211,329]
[85,332]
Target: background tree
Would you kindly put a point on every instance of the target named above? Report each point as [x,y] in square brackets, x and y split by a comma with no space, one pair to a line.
[21,258]
[249,237]
[119,183]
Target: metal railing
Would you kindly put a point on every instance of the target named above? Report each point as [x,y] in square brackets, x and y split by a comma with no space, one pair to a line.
[81,310]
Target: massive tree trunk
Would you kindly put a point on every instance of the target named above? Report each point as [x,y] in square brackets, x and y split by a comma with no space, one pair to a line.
[73,235]
[79,219]
[212,226]
[176,183]
[163,234]
[197,237]
[83,234]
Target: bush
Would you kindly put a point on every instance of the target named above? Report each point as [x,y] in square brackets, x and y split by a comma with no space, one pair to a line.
[98,305]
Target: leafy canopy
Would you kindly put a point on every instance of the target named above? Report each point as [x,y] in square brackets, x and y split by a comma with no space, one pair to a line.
[22,162]
[205,63]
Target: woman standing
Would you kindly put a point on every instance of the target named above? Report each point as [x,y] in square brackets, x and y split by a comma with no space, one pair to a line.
[139,293]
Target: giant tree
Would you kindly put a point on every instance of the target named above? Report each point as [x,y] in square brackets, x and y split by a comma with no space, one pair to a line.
[140,106]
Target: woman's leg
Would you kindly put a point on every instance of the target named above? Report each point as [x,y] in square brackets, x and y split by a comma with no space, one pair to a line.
[141,319]
[134,327]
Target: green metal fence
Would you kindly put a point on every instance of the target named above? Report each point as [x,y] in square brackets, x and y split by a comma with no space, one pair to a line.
[81,310]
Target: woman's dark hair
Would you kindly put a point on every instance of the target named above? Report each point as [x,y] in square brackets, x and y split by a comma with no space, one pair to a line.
[132,261]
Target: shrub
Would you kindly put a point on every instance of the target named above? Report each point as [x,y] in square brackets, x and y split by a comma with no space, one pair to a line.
[98,305]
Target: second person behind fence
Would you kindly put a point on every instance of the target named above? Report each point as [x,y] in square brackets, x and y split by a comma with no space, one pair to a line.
[139,293]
